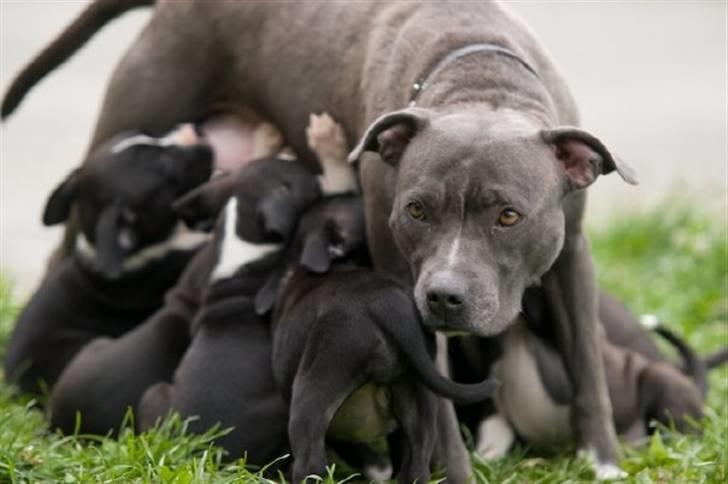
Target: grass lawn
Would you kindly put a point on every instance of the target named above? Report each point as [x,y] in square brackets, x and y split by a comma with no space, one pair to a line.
[670,261]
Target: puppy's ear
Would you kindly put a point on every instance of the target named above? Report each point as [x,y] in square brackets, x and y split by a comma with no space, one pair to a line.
[315,254]
[277,214]
[265,298]
[584,157]
[58,206]
[109,253]
[199,208]
[187,167]
[390,134]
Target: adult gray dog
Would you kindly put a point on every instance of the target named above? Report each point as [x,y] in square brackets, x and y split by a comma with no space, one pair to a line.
[477,192]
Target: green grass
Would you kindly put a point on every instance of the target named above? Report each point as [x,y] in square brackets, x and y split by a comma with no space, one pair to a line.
[670,261]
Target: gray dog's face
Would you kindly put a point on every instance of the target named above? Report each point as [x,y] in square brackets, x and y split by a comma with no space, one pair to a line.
[478,209]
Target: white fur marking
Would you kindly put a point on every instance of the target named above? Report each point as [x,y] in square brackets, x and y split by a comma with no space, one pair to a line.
[180,136]
[136,140]
[378,473]
[649,321]
[603,472]
[235,252]
[523,398]
[495,437]
[326,138]
[337,179]
[181,238]
[454,249]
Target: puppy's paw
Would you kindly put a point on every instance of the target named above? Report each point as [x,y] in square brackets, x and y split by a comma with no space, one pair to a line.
[495,437]
[609,472]
[326,138]
[380,472]
[603,471]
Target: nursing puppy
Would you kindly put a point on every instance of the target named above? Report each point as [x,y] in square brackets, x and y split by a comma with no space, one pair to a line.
[349,353]
[207,339]
[131,249]
[225,376]
[535,397]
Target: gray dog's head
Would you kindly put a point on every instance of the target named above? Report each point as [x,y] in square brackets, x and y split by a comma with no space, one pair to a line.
[478,210]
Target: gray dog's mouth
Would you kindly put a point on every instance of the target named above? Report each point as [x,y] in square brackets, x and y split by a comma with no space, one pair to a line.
[443,322]
[486,324]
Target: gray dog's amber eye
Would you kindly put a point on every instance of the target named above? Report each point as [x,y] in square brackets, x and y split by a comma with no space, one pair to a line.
[416,210]
[508,218]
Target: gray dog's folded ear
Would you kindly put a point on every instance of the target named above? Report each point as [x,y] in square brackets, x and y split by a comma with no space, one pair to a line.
[199,208]
[390,134]
[58,206]
[584,156]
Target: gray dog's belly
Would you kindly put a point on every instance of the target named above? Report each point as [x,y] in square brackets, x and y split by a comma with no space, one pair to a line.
[523,397]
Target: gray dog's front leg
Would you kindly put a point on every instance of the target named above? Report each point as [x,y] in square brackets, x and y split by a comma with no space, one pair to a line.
[450,451]
[572,293]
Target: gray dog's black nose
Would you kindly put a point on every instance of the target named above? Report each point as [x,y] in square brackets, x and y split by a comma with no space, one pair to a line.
[445,301]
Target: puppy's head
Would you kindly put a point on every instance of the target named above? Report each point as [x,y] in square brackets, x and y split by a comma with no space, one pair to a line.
[262,203]
[268,194]
[124,193]
[669,397]
[331,230]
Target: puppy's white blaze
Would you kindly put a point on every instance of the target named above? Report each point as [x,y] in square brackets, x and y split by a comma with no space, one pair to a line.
[235,252]
[180,239]
[136,140]
[495,437]
[181,135]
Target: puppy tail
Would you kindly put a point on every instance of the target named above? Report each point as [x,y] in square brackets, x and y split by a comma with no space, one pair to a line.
[693,365]
[714,360]
[93,18]
[402,326]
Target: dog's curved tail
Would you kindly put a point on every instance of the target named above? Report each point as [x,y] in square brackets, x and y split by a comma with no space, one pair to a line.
[91,20]
[403,327]
[693,366]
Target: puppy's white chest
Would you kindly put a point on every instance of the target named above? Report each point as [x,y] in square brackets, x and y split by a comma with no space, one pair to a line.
[523,397]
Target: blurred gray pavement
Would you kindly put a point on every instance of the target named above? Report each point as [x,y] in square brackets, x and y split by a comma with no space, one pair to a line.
[650,79]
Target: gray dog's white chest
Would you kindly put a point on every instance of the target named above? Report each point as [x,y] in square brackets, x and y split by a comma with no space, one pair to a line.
[523,399]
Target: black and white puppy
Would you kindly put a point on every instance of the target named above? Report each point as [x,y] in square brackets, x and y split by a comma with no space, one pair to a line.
[216,357]
[225,375]
[131,249]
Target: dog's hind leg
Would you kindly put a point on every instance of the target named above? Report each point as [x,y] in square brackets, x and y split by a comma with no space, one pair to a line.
[415,409]
[318,392]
